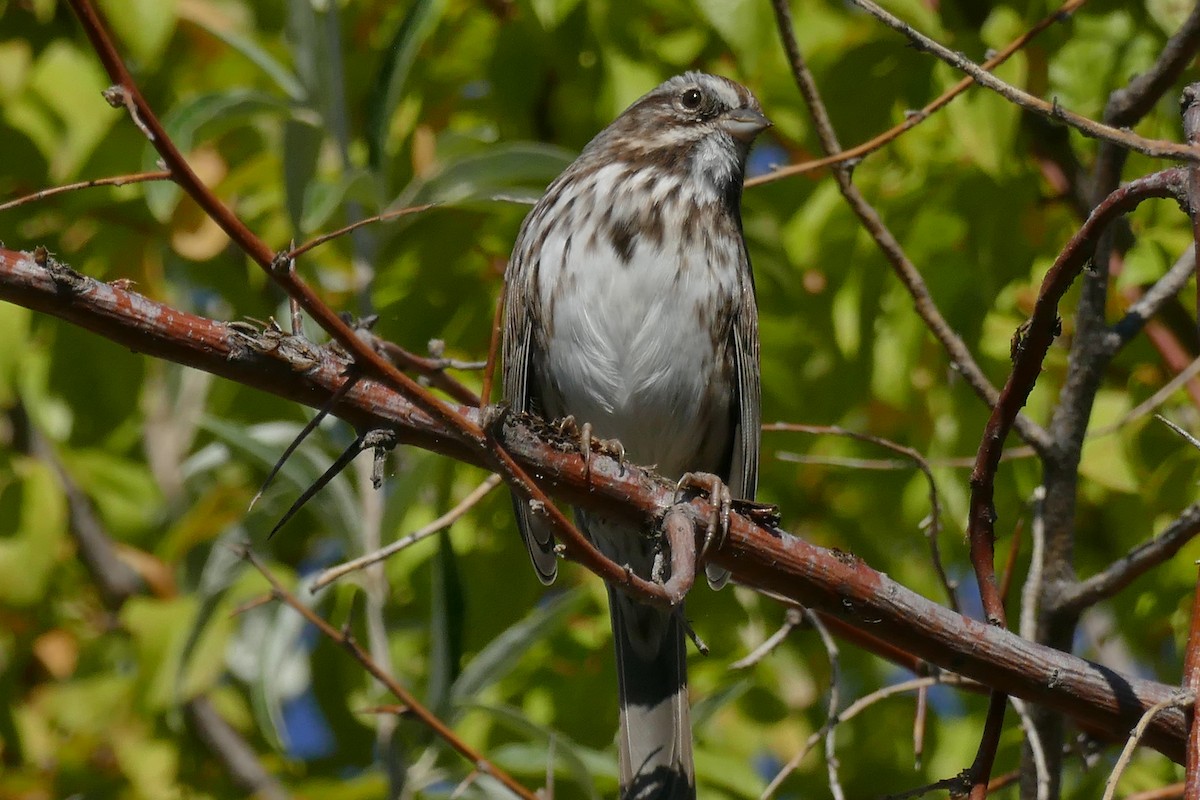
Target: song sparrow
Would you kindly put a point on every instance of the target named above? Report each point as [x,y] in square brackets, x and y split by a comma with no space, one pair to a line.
[630,306]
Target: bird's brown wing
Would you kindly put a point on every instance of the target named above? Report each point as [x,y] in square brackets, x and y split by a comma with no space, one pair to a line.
[520,343]
[746,412]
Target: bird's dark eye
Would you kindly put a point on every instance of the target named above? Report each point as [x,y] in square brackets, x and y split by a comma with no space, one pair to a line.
[691,99]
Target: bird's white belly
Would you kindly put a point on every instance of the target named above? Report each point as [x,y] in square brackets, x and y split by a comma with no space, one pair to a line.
[637,358]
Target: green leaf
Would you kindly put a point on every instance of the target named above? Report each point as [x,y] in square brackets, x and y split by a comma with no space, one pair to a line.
[283,77]
[392,77]
[502,654]
[580,762]
[551,13]
[323,199]
[446,623]
[207,115]
[503,171]
[28,555]
[62,110]
[14,332]
[144,26]
[744,24]
[1104,459]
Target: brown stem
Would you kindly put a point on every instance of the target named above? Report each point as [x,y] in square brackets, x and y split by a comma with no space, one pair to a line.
[1191,683]
[960,357]
[412,706]
[768,558]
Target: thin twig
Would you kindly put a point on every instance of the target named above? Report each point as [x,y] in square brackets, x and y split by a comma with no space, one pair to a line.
[831,652]
[914,118]
[1154,298]
[1029,348]
[1133,564]
[792,618]
[1030,345]
[1031,591]
[1172,792]
[1010,563]
[1034,740]
[280,270]
[934,526]
[296,252]
[856,708]
[415,708]
[1155,148]
[114,180]
[1192,440]
[1135,736]
[441,523]
[1154,401]
[960,356]
[1191,684]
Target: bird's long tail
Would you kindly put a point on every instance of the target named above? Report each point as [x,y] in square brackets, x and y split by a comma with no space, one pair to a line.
[656,732]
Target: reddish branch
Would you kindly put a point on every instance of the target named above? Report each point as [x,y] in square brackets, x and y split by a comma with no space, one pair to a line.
[835,583]
[1125,139]
[1030,345]
[463,428]
[410,703]
[115,180]
[914,118]
[1191,683]
[960,356]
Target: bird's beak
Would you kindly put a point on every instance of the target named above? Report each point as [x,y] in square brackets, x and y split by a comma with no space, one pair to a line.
[745,124]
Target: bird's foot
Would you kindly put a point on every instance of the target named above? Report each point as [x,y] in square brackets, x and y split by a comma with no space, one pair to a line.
[721,500]
[569,428]
[680,534]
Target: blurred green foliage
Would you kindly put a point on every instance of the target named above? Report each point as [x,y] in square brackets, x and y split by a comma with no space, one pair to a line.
[305,115]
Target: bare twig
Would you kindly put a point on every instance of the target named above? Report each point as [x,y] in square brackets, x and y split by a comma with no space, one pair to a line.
[960,357]
[223,739]
[831,652]
[413,706]
[1134,564]
[1031,591]
[1034,741]
[933,529]
[441,523]
[1191,684]
[852,711]
[458,425]
[114,180]
[1192,440]
[1156,148]
[914,118]
[317,241]
[1155,297]
[791,619]
[1030,346]
[766,558]
[1172,792]
[1010,563]
[1135,736]
[1128,105]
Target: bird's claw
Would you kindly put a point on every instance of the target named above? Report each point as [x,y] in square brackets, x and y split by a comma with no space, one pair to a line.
[721,500]
[569,428]
[680,535]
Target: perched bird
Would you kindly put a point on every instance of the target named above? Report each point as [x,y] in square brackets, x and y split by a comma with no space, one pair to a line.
[630,306]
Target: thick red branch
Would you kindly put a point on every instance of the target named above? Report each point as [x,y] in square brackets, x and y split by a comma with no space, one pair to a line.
[836,583]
